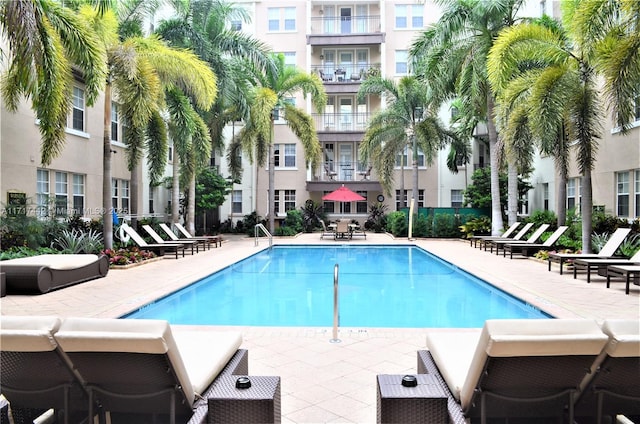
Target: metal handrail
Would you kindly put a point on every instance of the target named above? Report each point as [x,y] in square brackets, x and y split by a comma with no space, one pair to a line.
[266,232]
[336,307]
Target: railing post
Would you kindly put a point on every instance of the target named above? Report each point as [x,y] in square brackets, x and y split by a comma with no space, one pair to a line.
[336,307]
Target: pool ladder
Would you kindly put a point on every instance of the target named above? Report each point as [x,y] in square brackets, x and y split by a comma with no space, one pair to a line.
[266,232]
[336,311]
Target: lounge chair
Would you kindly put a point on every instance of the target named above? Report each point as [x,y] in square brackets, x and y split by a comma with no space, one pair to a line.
[42,273]
[204,241]
[533,238]
[625,271]
[523,231]
[185,234]
[159,240]
[529,249]
[613,386]
[138,368]
[36,374]
[608,250]
[325,231]
[342,230]
[601,264]
[474,240]
[525,368]
[158,248]
[357,231]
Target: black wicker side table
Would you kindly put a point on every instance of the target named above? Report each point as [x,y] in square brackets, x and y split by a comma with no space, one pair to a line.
[259,403]
[424,403]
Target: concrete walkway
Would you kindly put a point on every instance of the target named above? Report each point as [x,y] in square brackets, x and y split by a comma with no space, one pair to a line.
[325,382]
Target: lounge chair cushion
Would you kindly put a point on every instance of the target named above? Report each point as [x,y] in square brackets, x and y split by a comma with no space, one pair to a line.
[55,261]
[624,337]
[28,333]
[453,352]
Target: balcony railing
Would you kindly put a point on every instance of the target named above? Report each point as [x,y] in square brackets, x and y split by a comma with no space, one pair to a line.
[346,72]
[341,121]
[343,25]
[345,171]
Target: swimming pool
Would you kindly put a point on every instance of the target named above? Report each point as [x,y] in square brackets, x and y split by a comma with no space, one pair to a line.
[379,286]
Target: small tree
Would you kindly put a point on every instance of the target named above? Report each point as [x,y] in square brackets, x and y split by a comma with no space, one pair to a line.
[211,191]
[478,193]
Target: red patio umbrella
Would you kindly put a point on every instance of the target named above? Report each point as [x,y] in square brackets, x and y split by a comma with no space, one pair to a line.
[343,194]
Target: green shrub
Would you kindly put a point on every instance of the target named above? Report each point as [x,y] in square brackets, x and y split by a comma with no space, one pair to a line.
[422,226]
[445,225]
[285,231]
[377,219]
[294,220]
[23,252]
[398,224]
[540,217]
[476,226]
[76,241]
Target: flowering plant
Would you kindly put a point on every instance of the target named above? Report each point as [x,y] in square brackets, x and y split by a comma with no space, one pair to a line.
[124,256]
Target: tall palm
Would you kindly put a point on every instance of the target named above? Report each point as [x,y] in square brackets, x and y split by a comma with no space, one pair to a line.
[564,90]
[274,86]
[398,127]
[45,39]
[452,56]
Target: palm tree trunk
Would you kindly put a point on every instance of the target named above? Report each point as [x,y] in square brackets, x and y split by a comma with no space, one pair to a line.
[272,194]
[107,212]
[586,211]
[561,202]
[414,149]
[175,193]
[512,184]
[133,206]
[402,203]
[496,208]
[191,208]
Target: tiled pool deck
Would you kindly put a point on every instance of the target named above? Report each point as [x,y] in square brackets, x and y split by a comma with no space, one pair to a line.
[325,382]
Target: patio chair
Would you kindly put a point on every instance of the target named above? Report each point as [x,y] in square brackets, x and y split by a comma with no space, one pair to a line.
[473,241]
[159,248]
[523,231]
[185,234]
[36,374]
[204,241]
[607,251]
[138,369]
[601,264]
[523,368]
[329,173]
[325,231]
[533,238]
[529,249]
[342,230]
[614,384]
[159,240]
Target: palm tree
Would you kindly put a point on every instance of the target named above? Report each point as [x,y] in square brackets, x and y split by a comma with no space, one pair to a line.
[452,57]
[45,39]
[402,124]
[256,138]
[564,90]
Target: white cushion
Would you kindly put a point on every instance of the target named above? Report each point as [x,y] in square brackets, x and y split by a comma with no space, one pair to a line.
[624,337]
[28,333]
[55,261]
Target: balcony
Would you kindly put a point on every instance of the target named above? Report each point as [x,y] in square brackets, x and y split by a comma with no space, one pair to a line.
[338,30]
[334,174]
[341,122]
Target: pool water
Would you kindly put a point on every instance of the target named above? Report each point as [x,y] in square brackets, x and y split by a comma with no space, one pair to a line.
[379,286]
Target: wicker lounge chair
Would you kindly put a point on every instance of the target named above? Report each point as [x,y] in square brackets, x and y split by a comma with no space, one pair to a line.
[607,251]
[142,368]
[36,374]
[533,238]
[529,249]
[204,241]
[185,234]
[614,384]
[517,368]
[474,240]
[42,273]
[158,248]
[159,240]
[601,264]
[523,231]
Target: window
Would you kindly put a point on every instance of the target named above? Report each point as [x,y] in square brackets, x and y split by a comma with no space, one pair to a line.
[61,194]
[571,193]
[637,184]
[638,108]
[402,159]
[405,198]
[456,198]
[329,207]
[236,25]
[420,199]
[114,122]
[545,196]
[236,201]
[289,18]
[170,154]
[125,195]
[78,194]
[274,16]
[290,59]
[622,199]
[401,16]
[114,194]
[401,62]
[276,202]
[42,193]
[77,114]
[285,155]
[289,200]
[361,206]
[151,196]
[417,16]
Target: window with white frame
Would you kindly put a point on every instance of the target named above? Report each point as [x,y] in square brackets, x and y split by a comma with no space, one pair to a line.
[420,199]
[637,190]
[405,197]
[114,193]
[290,59]
[236,25]
[77,113]
[622,193]
[281,18]
[289,200]
[236,201]
[276,202]
[401,16]
[409,16]
[114,122]
[402,159]
[545,196]
[42,193]
[571,193]
[328,207]
[456,198]
[401,62]
[289,18]
[417,16]
[285,155]
[152,190]
[62,194]
[361,205]
[124,198]
[273,14]
[78,194]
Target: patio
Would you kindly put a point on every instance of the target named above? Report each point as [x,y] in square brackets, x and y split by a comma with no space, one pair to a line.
[322,381]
